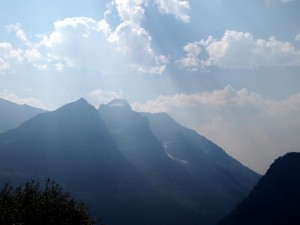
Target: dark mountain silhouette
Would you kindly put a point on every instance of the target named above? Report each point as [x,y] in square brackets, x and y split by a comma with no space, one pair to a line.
[182,165]
[112,160]
[275,200]
[73,146]
[12,114]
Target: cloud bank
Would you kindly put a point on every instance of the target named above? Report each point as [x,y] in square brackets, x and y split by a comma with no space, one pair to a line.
[12,97]
[103,97]
[250,128]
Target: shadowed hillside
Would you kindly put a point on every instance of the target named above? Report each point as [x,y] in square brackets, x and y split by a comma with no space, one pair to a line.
[123,168]
[275,199]
[12,115]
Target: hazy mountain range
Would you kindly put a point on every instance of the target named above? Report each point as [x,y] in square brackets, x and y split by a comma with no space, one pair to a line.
[130,167]
[12,115]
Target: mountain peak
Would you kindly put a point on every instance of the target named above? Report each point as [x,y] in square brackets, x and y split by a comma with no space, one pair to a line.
[78,103]
[80,106]
[81,101]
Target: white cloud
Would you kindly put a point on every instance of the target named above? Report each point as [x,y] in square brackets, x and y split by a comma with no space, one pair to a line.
[130,10]
[20,33]
[133,41]
[87,43]
[59,62]
[59,67]
[32,55]
[104,46]
[236,50]
[10,96]
[134,10]
[178,8]
[103,97]
[191,59]
[40,66]
[71,29]
[8,52]
[215,99]
[9,56]
[51,40]
[77,42]
[250,128]
[3,65]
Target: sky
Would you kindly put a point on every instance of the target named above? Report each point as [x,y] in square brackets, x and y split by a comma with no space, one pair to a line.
[229,69]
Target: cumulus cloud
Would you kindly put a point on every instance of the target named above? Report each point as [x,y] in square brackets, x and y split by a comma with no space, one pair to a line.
[81,42]
[10,96]
[239,50]
[134,10]
[178,8]
[20,33]
[77,42]
[106,45]
[130,10]
[9,56]
[191,59]
[3,65]
[8,52]
[132,40]
[40,66]
[135,42]
[251,128]
[32,55]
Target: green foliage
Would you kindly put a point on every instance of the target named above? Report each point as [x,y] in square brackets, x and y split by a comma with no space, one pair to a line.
[30,204]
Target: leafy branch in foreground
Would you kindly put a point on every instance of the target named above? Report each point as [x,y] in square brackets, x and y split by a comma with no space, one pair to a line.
[31,204]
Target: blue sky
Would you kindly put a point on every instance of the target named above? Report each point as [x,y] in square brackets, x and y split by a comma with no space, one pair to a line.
[229,69]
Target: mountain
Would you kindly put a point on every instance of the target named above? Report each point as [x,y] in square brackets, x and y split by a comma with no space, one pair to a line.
[116,160]
[12,115]
[134,138]
[72,146]
[275,199]
[181,165]
[206,162]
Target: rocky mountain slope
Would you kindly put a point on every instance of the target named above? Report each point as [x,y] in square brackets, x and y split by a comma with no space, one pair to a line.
[275,199]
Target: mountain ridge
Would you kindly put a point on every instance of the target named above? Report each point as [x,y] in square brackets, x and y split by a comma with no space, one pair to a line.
[12,114]
[112,159]
[203,174]
[57,145]
[202,158]
[275,199]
